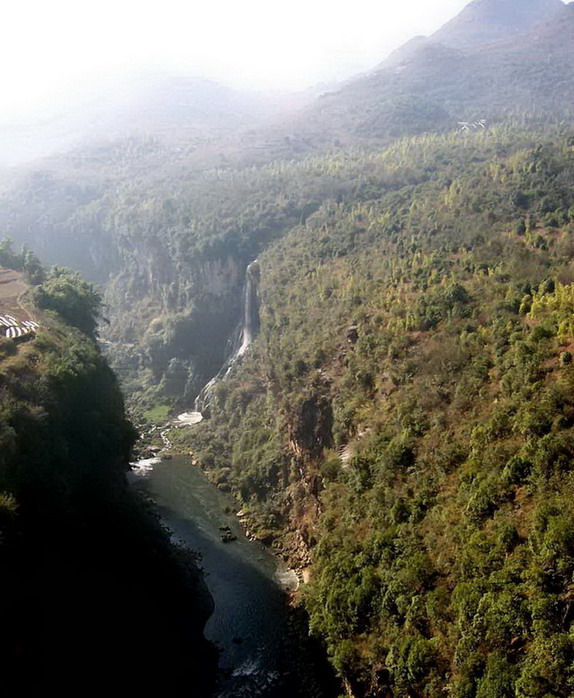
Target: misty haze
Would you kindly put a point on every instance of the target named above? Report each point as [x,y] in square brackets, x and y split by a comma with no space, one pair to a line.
[286,349]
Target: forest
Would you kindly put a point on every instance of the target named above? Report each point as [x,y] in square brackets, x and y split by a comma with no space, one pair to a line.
[79,554]
[407,412]
[401,429]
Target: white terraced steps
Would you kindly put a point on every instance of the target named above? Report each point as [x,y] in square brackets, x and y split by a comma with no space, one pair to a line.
[15,329]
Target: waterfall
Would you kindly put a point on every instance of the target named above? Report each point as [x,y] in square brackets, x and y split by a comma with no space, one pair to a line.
[250,323]
[242,337]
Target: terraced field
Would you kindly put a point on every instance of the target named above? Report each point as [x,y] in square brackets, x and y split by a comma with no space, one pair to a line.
[15,320]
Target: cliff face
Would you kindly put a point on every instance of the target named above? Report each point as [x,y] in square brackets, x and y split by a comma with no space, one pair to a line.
[171,257]
[173,320]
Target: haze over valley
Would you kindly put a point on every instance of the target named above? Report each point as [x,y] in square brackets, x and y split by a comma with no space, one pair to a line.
[286,347]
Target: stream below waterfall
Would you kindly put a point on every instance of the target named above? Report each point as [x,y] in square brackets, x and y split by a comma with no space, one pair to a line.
[264,644]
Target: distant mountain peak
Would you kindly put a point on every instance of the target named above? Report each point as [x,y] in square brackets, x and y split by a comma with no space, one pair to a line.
[482,21]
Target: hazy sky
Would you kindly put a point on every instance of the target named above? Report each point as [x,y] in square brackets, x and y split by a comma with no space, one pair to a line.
[46,46]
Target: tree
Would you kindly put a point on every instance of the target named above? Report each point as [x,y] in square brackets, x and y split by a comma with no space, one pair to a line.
[74,299]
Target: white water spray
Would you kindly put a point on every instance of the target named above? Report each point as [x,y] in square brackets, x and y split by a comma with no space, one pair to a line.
[242,337]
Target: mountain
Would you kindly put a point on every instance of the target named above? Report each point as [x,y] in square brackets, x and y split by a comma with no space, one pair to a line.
[461,73]
[401,427]
[478,65]
[484,21]
[481,22]
[128,211]
[187,110]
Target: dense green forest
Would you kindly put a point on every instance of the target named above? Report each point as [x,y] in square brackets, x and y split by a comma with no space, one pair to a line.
[402,424]
[402,428]
[406,415]
[170,245]
[168,226]
[400,431]
[81,559]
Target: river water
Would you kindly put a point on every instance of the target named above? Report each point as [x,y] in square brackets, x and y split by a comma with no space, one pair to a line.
[265,651]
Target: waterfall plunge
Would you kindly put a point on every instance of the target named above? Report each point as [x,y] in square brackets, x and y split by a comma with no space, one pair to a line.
[242,337]
[250,322]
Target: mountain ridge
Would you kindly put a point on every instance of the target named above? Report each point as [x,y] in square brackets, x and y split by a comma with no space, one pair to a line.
[428,85]
[483,21]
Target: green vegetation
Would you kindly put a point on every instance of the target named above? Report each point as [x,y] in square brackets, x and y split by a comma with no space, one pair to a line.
[80,557]
[405,413]
[172,249]
[403,423]
[158,415]
[73,299]
[25,261]
[422,326]
[62,415]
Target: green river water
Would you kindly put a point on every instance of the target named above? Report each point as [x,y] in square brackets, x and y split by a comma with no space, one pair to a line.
[265,648]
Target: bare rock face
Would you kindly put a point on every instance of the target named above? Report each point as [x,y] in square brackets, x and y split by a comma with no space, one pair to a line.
[313,428]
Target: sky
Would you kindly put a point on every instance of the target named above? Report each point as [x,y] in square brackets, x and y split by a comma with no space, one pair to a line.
[52,48]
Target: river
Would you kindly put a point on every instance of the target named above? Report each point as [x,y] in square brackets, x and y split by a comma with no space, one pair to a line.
[265,651]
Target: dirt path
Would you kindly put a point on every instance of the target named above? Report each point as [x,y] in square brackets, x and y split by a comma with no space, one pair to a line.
[13,288]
